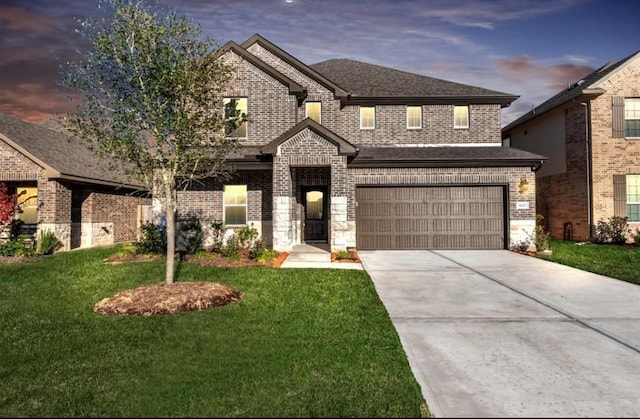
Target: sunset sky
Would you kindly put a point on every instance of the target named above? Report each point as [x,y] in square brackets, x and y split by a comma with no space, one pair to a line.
[528,48]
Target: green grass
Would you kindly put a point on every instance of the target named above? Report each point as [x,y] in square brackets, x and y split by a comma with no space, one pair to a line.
[300,343]
[621,262]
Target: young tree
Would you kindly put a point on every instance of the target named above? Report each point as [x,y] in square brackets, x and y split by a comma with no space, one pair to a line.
[151,91]
[8,209]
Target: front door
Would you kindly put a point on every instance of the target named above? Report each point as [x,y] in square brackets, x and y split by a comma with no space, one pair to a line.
[315,213]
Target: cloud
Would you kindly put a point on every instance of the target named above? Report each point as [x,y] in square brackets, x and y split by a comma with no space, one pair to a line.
[486,14]
[555,76]
[19,19]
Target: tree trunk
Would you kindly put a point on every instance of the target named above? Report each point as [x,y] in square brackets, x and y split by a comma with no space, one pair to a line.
[170,214]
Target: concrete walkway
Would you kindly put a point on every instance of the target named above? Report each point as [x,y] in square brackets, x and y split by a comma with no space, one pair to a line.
[496,333]
[314,256]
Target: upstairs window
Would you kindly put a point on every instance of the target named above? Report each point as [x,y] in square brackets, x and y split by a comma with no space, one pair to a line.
[632,117]
[367,117]
[235,205]
[460,116]
[314,111]
[235,107]
[414,117]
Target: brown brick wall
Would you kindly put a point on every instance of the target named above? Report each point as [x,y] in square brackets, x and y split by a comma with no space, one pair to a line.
[612,156]
[563,198]
[204,198]
[119,207]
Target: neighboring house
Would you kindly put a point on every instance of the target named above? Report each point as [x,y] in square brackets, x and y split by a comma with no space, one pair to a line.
[358,155]
[591,133]
[65,188]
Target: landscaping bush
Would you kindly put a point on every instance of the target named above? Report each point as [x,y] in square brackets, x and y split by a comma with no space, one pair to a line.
[542,237]
[217,235]
[47,242]
[636,236]
[614,231]
[232,247]
[191,229]
[15,248]
[154,239]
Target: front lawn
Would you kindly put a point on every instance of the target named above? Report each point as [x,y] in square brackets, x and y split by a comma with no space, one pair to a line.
[299,343]
[621,262]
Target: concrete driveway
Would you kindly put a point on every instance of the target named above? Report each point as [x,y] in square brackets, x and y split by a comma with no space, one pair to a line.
[496,333]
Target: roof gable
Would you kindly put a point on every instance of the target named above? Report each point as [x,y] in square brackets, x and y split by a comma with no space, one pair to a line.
[344,147]
[294,62]
[294,88]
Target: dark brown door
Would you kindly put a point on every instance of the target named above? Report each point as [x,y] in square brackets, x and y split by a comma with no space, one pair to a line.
[450,217]
[315,213]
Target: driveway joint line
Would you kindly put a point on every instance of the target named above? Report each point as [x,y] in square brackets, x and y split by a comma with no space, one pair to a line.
[549,305]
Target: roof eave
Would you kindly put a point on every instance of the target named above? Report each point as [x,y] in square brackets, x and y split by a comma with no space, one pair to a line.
[503,101]
[584,94]
[447,163]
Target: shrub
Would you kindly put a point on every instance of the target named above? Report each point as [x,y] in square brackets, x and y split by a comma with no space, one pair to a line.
[217,233]
[614,230]
[542,237]
[232,247]
[247,237]
[15,248]
[191,228]
[618,229]
[267,256]
[47,242]
[154,239]
[636,236]
[343,254]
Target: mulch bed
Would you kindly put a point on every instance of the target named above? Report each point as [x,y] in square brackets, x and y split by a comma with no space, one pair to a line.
[11,260]
[179,297]
[353,257]
[219,261]
[132,257]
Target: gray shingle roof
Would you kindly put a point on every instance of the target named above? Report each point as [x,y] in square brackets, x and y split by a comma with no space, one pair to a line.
[582,86]
[369,80]
[63,154]
[481,155]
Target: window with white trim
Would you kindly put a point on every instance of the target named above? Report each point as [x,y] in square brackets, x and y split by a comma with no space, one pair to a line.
[632,117]
[235,109]
[367,117]
[460,116]
[414,117]
[235,205]
[633,198]
[313,110]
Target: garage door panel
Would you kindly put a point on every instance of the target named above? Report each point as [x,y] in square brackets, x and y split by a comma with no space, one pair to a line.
[460,217]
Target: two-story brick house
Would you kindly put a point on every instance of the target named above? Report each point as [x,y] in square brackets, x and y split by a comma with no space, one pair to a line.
[65,188]
[359,155]
[591,133]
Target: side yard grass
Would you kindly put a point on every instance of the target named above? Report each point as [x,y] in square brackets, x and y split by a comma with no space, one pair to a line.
[616,261]
[300,343]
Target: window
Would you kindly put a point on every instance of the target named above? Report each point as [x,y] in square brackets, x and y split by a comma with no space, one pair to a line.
[367,117]
[28,202]
[314,111]
[235,113]
[632,117]
[633,197]
[235,204]
[414,117]
[461,116]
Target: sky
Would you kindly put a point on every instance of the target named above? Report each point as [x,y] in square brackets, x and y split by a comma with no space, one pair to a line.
[532,49]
